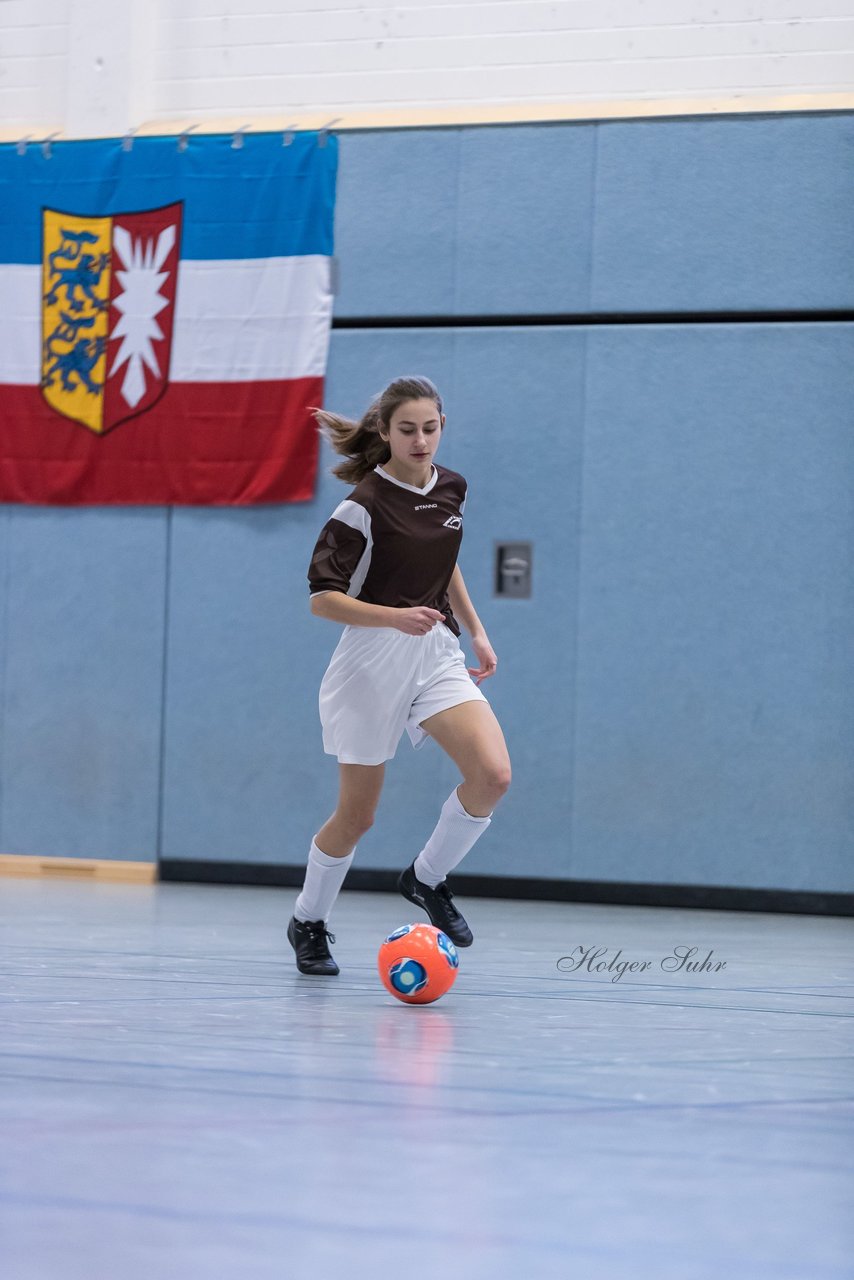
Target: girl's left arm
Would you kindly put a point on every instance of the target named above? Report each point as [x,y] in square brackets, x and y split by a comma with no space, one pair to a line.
[464,611]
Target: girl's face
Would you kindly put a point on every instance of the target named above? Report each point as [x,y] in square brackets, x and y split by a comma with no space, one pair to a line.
[413,436]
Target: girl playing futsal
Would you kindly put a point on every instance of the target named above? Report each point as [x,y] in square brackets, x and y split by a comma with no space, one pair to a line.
[385,565]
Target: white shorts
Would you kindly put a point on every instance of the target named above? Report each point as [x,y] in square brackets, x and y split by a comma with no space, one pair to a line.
[381,681]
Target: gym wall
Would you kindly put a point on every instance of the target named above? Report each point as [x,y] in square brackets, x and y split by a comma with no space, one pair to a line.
[644,332]
[82,65]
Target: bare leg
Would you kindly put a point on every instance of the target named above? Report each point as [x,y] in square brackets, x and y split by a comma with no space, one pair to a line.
[328,863]
[472,737]
[360,788]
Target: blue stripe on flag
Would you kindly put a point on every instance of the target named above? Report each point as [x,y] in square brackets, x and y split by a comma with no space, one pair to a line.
[261,200]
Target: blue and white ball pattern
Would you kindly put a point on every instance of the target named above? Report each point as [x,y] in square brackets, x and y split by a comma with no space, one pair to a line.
[407,976]
[400,933]
[448,950]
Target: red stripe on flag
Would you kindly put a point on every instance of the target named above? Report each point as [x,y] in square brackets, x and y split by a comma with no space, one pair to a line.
[201,444]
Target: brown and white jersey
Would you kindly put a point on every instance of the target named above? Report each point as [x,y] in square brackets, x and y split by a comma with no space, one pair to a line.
[392,544]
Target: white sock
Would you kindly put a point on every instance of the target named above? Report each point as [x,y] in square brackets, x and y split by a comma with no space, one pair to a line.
[455,833]
[324,876]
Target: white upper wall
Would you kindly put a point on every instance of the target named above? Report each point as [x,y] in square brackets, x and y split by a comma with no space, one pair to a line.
[349,53]
[33,59]
[196,60]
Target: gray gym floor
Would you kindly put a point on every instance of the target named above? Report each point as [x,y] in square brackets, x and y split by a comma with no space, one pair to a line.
[178,1102]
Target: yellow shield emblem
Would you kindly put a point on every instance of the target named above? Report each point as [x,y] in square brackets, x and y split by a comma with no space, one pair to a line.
[75,315]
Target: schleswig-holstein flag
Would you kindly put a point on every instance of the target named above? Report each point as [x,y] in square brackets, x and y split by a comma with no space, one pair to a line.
[165,313]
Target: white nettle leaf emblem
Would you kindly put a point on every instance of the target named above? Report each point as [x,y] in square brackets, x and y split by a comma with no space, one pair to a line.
[140,303]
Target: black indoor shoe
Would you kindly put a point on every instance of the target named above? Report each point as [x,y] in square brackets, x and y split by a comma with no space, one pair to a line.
[438,905]
[309,940]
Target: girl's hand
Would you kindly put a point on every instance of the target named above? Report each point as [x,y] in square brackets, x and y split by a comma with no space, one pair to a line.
[417,621]
[486,657]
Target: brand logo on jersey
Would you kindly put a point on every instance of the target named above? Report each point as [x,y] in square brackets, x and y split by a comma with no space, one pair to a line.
[425,506]
[453,522]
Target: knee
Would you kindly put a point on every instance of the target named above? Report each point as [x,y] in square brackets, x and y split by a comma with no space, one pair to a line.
[496,778]
[501,779]
[356,821]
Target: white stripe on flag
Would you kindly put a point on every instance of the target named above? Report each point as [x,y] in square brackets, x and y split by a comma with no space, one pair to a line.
[20,323]
[249,320]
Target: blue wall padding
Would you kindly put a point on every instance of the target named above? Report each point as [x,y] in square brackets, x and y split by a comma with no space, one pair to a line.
[725,215]
[81,672]
[744,214]
[676,693]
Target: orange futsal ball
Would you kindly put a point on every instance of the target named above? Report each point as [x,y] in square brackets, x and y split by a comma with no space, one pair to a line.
[418,963]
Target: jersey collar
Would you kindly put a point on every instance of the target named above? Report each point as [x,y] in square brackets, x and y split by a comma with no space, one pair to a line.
[413,488]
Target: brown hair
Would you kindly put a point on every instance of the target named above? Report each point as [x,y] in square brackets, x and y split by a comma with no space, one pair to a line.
[360,442]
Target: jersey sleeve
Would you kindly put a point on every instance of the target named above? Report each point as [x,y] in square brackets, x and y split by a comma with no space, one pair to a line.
[340,549]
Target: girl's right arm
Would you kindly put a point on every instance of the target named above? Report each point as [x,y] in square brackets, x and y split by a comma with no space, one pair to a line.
[338,607]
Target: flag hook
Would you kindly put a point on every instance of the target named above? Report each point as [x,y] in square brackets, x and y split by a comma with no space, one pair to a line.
[46,147]
[183,138]
[324,131]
